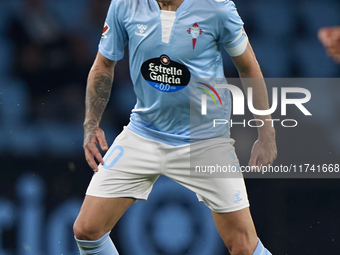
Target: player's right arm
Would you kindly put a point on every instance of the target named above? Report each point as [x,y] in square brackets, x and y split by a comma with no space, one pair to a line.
[98,92]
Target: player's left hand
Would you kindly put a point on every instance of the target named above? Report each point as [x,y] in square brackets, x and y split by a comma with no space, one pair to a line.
[263,153]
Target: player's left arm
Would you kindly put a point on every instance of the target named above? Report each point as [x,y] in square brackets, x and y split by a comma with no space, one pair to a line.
[264,150]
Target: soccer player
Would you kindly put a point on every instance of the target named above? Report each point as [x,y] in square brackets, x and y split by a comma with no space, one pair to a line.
[330,38]
[171,43]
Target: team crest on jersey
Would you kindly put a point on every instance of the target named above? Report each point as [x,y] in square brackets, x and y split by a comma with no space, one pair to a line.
[105,30]
[164,74]
[194,31]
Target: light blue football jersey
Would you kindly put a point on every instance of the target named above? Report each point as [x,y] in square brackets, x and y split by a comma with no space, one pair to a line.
[170,75]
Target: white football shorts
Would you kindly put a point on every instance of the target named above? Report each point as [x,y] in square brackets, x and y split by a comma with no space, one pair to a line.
[133,163]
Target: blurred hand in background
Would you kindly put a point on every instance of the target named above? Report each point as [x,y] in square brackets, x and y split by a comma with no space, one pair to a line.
[330,38]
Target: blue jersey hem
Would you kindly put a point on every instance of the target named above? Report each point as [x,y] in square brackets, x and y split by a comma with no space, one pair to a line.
[108,55]
[170,139]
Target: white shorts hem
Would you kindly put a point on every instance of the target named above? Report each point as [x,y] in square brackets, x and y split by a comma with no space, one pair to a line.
[229,209]
[105,195]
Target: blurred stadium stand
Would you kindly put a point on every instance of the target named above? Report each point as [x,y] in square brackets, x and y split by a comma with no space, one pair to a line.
[42,87]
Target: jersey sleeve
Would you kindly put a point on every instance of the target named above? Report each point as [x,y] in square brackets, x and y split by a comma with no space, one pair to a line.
[232,37]
[114,36]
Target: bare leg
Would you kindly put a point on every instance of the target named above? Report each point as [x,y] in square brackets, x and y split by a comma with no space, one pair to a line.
[237,231]
[98,216]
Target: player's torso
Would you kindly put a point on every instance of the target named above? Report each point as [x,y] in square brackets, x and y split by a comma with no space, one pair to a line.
[162,70]
[192,39]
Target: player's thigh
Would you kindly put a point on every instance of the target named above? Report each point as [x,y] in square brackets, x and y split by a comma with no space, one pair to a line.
[236,228]
[222,193]
[132,165]
[99,215]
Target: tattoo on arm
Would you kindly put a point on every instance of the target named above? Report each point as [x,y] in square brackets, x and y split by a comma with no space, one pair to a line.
[97,97]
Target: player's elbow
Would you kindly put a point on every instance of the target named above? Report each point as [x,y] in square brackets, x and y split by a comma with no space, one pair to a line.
[252,70]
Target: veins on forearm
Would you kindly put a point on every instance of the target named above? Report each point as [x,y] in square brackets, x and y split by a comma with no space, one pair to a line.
[97,97]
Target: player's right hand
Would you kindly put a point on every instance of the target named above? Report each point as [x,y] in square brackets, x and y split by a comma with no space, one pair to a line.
[93,136]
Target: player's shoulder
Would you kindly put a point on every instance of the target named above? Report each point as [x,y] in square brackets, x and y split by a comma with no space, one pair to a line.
[218,4]
[219,7]
[120,3]
[126,3]
[124,7]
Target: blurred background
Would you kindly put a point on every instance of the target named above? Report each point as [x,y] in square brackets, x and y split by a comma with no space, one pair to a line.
[46,50]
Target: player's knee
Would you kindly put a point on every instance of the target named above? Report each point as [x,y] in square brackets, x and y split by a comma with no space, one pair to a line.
[83,231]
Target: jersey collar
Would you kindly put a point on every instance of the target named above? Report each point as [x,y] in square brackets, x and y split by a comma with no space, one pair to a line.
[182,8]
